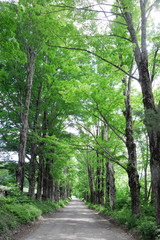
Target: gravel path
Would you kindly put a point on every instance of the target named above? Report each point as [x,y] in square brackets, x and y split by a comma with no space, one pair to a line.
[76,222]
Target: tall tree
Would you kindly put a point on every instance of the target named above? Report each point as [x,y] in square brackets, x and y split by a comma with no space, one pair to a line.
[127,14]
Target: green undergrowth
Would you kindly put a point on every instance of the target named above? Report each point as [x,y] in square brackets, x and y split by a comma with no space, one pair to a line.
[144,225]
[16,210]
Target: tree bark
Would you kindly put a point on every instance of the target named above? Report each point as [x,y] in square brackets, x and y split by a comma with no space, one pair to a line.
[102,182]
[32,169]
[46,180]
[91,179]
[50,187]
[98,181]
[41,159]
[112,186]
[132,155]
[24,126]
[56,192]
[91,183]
[110,199]
[40,176]
[107,199]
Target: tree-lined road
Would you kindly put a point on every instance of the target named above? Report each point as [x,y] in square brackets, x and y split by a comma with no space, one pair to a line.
[76,222]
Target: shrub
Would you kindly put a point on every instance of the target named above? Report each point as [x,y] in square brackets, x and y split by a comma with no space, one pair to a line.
[131,222]
[148,210]
[45,206]
[61,203]
[123,202]
[24,212]
[7,221]
[147,229]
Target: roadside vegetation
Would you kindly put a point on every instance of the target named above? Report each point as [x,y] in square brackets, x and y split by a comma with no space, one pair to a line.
[144,227]
[18,208]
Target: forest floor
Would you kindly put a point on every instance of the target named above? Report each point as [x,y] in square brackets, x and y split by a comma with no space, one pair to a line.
[74,222]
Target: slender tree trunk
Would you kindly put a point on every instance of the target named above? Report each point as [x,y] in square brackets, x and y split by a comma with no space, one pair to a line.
[41,159]
[107,199]
[50,187]
[145,169]
[132,156]
[32,171]
[98,180]
[55,191]
[149,192]
[145,187]
[102,183]
[110,199]
[91,182]
[49,180]
[62,190]
[91,179]
[112,186]
[40,176]
[68,190]
[46,180]
[24,127]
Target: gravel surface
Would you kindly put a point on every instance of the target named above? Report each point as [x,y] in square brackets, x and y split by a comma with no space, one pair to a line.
[76,222]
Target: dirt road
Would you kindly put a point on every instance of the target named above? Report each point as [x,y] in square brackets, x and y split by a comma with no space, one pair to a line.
[76,222]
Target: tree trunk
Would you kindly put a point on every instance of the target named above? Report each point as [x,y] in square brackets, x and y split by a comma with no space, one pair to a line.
[145,187]
[151,114]
[41,159]
[132,156]
[112,186]
[32,171]
[40,176]
[56,192]
[91,179]
[50,188]
[107,200]
[68,190]
[24,127]
[102,183]
[98,181]
[134,190]
[46,180]
[145,170]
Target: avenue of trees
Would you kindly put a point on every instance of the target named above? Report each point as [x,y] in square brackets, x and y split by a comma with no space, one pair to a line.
[90,66]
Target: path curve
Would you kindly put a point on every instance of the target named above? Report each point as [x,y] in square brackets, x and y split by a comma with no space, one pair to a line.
[76,222]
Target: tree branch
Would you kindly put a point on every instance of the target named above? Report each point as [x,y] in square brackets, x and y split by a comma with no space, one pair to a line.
[112,158]
[113,128]
[88,8]
[154,65]
[96,55]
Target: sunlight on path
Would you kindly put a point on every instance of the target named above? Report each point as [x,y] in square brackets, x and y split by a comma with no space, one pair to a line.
[76,222]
